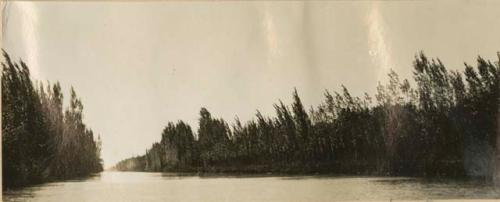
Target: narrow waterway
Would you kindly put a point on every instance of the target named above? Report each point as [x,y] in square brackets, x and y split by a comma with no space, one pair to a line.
[137,186]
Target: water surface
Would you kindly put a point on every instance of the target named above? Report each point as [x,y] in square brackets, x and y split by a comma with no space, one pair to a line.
[137,186]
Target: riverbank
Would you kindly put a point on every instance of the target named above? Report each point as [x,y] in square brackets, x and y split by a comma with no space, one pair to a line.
[52,180]
[262,171]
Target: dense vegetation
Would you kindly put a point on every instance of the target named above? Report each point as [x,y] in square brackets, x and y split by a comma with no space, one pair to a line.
[444,125]
[40,141]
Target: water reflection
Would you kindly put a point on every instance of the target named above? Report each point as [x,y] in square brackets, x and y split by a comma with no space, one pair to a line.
[441,188]
[136,186]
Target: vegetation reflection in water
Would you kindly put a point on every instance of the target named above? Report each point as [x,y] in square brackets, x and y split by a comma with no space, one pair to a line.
[141,186]
[442,124]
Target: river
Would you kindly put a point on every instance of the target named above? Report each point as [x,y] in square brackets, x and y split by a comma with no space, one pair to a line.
[137,186]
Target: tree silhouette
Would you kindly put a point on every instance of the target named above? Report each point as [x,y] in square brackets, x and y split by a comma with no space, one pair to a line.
[444,123]
[39,141]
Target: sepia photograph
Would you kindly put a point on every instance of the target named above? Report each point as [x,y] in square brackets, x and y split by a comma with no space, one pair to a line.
[250,101]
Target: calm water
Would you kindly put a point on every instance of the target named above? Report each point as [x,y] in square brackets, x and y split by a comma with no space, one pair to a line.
[135,186]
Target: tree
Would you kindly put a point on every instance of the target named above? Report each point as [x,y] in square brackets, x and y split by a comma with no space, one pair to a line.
[39,142]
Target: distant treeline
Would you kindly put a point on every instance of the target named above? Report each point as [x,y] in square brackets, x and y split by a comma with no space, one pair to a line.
[442,124]
[40,141]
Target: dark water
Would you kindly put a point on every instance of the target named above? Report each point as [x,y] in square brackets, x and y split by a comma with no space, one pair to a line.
[135,186]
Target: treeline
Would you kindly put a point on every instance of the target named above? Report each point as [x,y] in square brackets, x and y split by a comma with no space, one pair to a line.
[40,140]
[131,164]
[442,124]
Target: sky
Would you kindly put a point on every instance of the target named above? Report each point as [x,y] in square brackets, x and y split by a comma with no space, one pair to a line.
[139,65]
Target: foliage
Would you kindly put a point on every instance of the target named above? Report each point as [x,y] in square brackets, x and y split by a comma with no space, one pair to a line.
[40,142]
[431,129]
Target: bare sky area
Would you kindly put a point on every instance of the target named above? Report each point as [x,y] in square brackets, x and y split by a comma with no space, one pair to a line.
[137,66]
